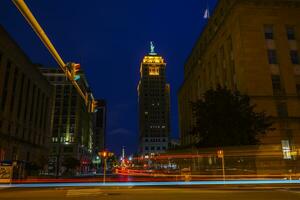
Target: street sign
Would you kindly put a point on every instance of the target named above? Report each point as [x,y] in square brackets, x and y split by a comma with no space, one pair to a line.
[6,173]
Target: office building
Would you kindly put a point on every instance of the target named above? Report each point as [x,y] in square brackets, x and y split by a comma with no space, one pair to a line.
[154,105]
[25,104]
[72,125]
[99,126]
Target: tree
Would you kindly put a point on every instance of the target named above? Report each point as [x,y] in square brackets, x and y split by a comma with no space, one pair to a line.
[225,118]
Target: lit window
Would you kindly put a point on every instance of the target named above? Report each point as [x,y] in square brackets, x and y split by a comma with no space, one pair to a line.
[154,71]
[286,149]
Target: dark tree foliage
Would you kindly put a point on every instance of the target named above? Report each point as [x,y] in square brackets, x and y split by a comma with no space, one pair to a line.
[225,118]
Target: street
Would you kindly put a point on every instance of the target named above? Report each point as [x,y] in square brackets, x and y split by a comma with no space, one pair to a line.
[126,193]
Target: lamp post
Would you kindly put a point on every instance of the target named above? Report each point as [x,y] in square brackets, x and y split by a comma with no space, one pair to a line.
[104,155]
[220,154]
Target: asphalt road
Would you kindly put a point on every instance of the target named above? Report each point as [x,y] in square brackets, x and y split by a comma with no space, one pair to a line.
[150,194]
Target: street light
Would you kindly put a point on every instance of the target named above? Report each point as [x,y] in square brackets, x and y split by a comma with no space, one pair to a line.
[220,154]
[105,155]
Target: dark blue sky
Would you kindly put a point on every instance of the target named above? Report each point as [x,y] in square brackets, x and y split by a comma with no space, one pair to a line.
[109,38]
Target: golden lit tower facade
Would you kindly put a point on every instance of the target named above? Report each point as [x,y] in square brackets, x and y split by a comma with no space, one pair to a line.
[154,105]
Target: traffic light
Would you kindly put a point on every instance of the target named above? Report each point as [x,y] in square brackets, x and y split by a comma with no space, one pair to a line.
[94,105]
[73,68]
[105,154]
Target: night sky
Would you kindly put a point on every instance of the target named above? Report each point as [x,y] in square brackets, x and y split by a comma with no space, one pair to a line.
[109,38]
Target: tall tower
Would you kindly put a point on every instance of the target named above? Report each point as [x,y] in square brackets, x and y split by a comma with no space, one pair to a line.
[154,105]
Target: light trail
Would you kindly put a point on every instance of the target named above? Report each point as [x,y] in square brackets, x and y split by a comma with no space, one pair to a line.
[130,184]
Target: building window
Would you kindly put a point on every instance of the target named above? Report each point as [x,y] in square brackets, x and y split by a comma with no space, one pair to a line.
[272,56]
[154,71]
[54,139]
[276,85]
[290,33]
[2,154]
[282,110]
[5,86]
[294,57]
[298,89]
[146,148]
[21,96]
[269,33]
[286,149]
[68,149]
[0,61]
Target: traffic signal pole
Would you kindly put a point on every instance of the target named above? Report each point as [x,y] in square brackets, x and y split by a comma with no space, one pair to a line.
[23,8]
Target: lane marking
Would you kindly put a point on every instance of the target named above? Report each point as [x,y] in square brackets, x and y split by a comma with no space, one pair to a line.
[83,192]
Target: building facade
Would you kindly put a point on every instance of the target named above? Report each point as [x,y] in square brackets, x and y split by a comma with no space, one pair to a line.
[251,46]
[99,124]
[72,125]
[25,104]
[154,105]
